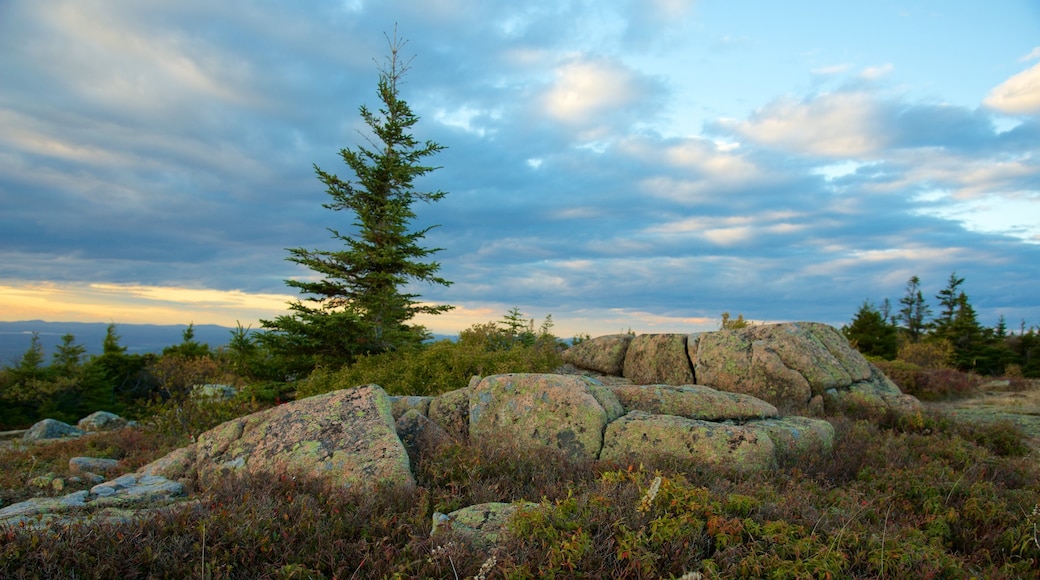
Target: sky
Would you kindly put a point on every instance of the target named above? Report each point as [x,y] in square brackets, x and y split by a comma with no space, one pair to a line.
[639,165]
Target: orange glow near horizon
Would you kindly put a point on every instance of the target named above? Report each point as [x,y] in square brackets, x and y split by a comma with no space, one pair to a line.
[139,304]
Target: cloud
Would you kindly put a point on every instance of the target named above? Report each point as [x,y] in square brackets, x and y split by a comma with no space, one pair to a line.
[841,125]
[1019,95]
[874,73]
[592,94]
[158,162]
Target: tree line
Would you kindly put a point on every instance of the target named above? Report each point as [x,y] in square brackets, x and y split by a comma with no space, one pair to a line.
[948,336]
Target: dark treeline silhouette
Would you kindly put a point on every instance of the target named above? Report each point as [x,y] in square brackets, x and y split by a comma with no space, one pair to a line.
[948,337]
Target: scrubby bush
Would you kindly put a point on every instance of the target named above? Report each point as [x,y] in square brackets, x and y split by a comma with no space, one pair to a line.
[930,384]
[435,368]
[935,354]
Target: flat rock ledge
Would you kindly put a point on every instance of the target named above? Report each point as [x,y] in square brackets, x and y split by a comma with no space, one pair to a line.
[118,500]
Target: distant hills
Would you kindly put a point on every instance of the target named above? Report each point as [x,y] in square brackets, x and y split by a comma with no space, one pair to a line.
[15,337]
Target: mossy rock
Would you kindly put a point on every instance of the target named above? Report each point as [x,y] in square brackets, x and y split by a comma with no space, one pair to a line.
[639,435]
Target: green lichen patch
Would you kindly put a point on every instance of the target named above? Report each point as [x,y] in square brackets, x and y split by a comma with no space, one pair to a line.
[542,410]
[640,434]
[693,402]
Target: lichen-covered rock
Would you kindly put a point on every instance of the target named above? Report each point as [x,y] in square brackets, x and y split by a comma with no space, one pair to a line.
[603,354]
[483,525]
[568,412]
[797,437]
[51,429]
[693,402]
[101,421]
[451,411]
[784,364]
[659,359]
[178,464]
[347,437]
[639,435]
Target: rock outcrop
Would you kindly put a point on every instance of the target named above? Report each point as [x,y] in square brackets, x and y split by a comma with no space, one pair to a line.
[118,500]
[788,365]
[716,399]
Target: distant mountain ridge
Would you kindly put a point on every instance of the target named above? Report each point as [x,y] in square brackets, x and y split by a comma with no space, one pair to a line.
[15,337]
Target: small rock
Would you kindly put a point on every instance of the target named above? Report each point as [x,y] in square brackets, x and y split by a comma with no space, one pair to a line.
[101,421]
[51,429]
[483,524]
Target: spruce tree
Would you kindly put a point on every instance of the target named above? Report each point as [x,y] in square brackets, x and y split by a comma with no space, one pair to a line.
[871,333]
[914,310]
[359,305]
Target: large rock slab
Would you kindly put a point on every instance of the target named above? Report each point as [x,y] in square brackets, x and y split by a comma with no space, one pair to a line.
[638,435]
[603,354]
[119,500]
[693,402]
[784,364]
[659,359]
[568,412]
[347,437]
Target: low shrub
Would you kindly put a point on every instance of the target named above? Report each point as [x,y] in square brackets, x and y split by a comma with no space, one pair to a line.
[929,384]
[436,368]
[929,498]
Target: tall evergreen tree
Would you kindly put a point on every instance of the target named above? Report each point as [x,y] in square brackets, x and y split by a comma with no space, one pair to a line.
[68,355]
[359,305]
[914,310]
[950,300]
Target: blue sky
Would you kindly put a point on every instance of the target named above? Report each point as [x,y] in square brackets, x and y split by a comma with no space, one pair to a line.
[617,164]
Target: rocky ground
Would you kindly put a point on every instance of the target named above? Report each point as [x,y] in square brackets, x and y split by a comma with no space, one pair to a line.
[997,401]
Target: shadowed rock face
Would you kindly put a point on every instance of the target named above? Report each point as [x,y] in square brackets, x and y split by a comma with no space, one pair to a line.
[605,355]
[659,358]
